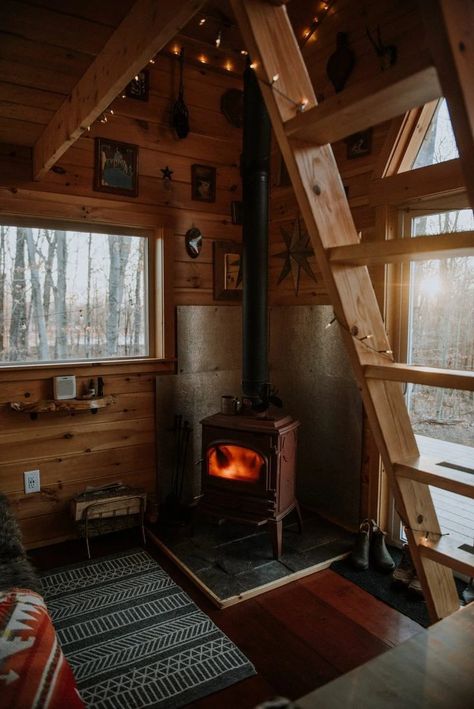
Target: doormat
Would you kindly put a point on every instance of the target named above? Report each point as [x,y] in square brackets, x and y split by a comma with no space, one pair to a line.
[232,562]
[134,638]
[382,587]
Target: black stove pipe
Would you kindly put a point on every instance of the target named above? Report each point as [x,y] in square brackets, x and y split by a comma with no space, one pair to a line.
[255,185]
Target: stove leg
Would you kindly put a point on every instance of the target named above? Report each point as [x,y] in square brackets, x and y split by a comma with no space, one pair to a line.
[300,518]
[276,530]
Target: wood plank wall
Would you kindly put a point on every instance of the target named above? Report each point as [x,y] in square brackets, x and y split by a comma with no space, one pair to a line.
[119,441]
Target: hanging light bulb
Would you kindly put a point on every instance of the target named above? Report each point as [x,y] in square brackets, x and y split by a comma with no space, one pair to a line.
[218,39]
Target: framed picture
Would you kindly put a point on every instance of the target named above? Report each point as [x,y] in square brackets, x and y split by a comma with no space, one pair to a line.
[116,167]
[359,144]
[139,86]
[227,270]
[203,183]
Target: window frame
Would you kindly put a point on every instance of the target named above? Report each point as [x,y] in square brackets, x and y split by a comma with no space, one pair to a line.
[159,318]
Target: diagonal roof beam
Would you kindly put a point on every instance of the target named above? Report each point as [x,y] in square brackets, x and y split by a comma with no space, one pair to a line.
[146,29]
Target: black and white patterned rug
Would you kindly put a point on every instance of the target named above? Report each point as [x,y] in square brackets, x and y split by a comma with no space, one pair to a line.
[133,637]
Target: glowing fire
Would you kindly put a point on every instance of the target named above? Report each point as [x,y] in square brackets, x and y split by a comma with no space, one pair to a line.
[234,462]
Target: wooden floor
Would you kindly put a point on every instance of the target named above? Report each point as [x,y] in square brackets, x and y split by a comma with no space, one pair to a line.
[298,637]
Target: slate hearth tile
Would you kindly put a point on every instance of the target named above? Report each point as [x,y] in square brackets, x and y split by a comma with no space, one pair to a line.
[220,583]
[194,556]
[264,574]
[315,533]
[316,555]
[245,554]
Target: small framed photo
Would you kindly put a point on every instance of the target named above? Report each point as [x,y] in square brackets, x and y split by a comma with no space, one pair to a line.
[203,183]
[227,270]
[116,167]
[139,86]
[359,144]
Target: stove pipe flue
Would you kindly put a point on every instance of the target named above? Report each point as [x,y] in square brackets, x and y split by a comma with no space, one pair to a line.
[255,185]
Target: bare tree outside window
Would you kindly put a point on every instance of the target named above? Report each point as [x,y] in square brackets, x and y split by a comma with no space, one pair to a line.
[441,331]
[67,295]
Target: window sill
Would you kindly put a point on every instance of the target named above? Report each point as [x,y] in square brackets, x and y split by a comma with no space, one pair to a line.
[30,371]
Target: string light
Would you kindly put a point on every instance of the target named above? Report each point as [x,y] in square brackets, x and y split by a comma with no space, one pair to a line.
[299,105]
[354,332]
[244,52]
[218,39]
[316,22]
[229,66]
[152,61]
[203,59]
[202,21]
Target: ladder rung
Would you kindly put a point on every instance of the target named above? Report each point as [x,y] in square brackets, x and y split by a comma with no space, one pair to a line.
[426,470]
[419,248]
[428,181]
[368,103]
[447,552]
[428,376]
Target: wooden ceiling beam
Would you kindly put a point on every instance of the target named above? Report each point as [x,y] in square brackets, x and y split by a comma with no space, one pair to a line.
[149,25]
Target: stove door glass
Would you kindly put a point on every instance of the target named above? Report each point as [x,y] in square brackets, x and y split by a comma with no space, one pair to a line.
[234,463]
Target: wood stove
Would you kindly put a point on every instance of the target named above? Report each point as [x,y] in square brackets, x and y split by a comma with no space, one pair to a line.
[249,459]
[248,470]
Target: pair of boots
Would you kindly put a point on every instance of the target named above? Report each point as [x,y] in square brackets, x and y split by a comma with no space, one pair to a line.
[370,542]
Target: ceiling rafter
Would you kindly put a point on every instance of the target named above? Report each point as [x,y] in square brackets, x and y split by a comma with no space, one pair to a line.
[144,31]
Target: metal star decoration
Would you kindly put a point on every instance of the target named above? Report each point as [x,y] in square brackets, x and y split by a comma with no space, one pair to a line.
[166,173]
[298,250]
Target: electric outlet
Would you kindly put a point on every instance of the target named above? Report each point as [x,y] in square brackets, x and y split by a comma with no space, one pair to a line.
[32,481]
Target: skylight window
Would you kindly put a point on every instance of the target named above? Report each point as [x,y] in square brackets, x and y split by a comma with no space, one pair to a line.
[439,143]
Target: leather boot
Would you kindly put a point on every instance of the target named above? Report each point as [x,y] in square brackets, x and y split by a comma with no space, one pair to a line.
[360,553]
[379,552]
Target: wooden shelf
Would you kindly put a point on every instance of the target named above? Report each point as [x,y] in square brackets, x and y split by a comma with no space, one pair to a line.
[64,406]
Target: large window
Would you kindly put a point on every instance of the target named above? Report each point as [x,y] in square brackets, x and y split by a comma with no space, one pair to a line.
[71,295]
[439,328]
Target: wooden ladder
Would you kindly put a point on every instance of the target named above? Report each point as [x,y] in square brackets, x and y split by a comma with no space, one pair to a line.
[304,130]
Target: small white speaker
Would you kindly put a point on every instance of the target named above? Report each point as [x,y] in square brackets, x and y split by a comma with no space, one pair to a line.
[64,387]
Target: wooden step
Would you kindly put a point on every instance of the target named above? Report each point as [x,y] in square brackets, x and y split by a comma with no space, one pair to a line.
[426,470]
[447,552]
[420,248]
[428,376]
[385,96]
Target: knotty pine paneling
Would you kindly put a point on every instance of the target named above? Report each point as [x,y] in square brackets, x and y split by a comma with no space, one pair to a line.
[73,451]
[117,443]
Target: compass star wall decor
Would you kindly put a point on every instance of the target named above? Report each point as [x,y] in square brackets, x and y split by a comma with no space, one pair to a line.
[298,250]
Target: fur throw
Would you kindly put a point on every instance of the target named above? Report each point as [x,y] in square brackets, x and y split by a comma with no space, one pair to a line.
[15,569]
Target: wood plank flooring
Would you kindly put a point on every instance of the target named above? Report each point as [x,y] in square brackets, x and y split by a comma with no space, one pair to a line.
[298,637]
